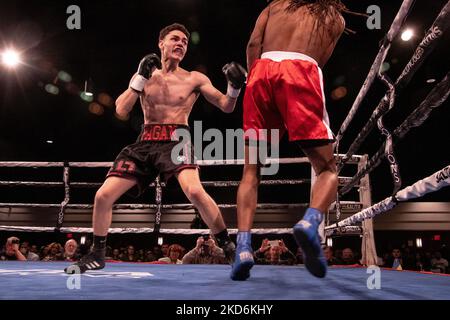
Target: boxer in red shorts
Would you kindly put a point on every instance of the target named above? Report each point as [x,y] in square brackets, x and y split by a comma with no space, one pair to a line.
[291,41]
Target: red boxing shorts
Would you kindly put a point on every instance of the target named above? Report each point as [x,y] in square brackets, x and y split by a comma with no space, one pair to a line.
[285,92]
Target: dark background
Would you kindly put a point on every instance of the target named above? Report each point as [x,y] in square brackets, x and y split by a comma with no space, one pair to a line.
[116,34]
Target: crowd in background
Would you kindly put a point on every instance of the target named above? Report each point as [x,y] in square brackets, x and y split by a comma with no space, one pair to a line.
[206,251]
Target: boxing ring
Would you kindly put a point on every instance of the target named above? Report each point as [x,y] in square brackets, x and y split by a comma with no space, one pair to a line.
[153,281]
[140,281]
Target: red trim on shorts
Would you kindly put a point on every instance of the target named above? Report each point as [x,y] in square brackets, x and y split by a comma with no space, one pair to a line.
[122,175]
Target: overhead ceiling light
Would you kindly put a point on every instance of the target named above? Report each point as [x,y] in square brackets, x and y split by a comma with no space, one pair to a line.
[407,35]
[10,58]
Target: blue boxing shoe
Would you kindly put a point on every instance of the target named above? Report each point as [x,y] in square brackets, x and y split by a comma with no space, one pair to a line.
[243,261]
[307,237]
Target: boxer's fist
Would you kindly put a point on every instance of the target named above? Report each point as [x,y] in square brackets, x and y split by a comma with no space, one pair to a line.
[146,67]
[235,74]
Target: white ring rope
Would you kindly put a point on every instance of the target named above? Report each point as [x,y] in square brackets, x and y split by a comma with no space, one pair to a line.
[141,230]
[432,183]
[342,181]
[355,159]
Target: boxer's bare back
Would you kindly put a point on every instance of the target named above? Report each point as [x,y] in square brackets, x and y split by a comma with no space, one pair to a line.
[297,30]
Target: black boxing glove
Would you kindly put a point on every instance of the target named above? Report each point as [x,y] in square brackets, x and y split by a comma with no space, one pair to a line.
[236,76]
[144,72]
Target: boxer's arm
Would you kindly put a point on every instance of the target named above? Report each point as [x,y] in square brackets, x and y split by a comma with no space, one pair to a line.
[214,96]
[126,101]
[254,46]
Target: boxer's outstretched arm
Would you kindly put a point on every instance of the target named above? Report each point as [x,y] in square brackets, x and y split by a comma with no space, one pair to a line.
[126,101]
[214,96]
[254,46]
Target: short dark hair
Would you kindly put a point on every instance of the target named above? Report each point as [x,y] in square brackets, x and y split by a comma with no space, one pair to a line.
[174,26]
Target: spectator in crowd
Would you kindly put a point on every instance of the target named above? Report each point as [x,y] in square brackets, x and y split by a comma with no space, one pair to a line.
[44,251]
[275,253]
[328,253]
[141,255]
[260,254]
[34,249]
[130,255]
[408,259]
[149,256]
[116,255]
[157,252]
[205,252]
[55,252]
[439,264]
[12,251]
[70,250]
[165,250]
[348,257]
[174,252]
[25,250]
[395,260]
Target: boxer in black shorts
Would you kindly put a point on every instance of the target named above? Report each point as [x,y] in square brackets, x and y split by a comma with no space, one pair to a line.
[152,155]
[167,94]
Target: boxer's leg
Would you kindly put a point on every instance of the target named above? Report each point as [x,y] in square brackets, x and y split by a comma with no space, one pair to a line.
[189,180]
[323,194]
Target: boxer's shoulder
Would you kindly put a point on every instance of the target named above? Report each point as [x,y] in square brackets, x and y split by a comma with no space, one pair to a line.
[199,78]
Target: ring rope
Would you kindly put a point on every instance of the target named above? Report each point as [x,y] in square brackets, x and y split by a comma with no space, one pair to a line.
[432,183]
[342,181]
[141,230]
[355,159]
[435,98]
[346,205]
[389,149]
[377,64]
[423,50]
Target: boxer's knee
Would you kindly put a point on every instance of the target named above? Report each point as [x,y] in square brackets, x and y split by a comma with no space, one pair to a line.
[251,176]
[103,198]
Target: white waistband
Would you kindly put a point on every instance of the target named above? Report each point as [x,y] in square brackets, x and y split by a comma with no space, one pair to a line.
[286,55]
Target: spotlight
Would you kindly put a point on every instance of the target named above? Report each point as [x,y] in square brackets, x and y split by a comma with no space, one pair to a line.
[419,242]
[329,242]
[88,88]
[195,37]
[10,58]
[52,89]
[160,240]
[64,76]
[385,66]
[96,108]
[339,93]
[407,35]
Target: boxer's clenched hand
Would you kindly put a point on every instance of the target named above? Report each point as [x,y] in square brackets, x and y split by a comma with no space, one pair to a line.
[146,67]
[236,76]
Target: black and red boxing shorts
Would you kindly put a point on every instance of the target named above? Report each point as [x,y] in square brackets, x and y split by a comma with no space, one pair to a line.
[152,155]
[285,91]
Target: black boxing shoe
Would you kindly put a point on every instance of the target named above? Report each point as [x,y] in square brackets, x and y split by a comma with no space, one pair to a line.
[230,251]
[94,260]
